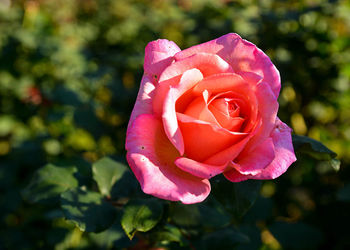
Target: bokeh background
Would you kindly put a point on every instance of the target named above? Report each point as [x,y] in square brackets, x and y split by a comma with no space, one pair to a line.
[69,75]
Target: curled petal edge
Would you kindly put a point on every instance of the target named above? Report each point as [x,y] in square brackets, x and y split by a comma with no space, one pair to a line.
[151,157]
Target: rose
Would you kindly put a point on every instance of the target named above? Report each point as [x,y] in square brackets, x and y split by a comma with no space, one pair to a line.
[203,111]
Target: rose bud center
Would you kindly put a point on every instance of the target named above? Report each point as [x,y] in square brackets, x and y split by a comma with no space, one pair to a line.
[222,110]
[227,113]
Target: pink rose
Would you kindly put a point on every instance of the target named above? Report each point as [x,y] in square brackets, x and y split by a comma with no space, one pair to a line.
[203,111]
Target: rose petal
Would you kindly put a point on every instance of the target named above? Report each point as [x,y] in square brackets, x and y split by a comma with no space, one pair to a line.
[250,77]
[254,161]
[199,169]
[143,104]
[159,55]
[229,120]
[198,109]
[203,139]
[234,176]
[241,55]
[171,127]
[240,89]
[268,108]
[208,64]
[284,152]
[213,46]
[151,157]
[221,83]
[254,60]
[161,92]
[284,157]
[228,154]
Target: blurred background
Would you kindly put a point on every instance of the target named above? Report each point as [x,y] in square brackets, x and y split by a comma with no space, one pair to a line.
[70,72]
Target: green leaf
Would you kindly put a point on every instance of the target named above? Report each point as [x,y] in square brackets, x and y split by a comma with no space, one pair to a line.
[112,237]
[185,215]
[312,147]
[335,164]
[141,215]
[244,195]
[127,186]
[236,197]
[169,233]
[87,210]
[197,215]
[106,172]
[296,235]
[324,167]
[49,182]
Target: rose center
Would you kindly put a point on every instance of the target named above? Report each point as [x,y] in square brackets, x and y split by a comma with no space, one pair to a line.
[227,112]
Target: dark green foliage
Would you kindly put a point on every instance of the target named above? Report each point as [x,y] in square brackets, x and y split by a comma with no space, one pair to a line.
[106,173]
[198,215]
[344,193]
[169,233]
[318,151]
[49,182]
[236,197]
[312,147]
[87,210]
[223,239]
[141,215]
[296,235]
[113,237]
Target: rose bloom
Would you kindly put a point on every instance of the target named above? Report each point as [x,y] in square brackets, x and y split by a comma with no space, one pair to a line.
[207,110]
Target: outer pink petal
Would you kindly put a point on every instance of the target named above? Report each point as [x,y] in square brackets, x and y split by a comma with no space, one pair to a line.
[199,169]
[284,152]
[159,55]
[241,55]
[161,92]
[208,64]
[143,104]
[151,157]
[234,176]
[256,160]
[225,42]
[223,82]
[251,77]
[268,108]
[171,127]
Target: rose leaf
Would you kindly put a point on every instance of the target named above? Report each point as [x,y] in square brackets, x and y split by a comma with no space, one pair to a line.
[141,215]
[312,147]
[106,172]
[49,182]
[87,210]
